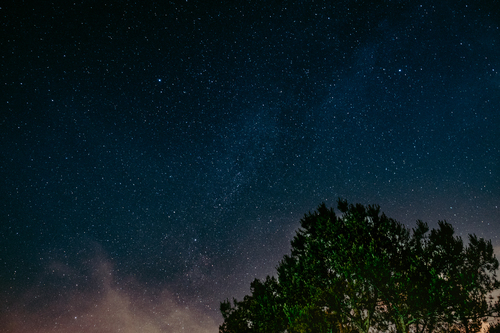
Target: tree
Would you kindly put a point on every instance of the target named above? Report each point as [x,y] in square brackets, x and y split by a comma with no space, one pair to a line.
[362,271]
[494,327]
[259,312]
[471,284]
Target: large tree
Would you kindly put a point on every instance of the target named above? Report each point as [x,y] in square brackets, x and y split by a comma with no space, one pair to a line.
[362,271]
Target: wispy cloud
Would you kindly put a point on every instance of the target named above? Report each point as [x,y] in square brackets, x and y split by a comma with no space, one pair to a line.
[103,305]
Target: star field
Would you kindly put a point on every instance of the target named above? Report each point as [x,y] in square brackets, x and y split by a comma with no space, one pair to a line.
[156,158]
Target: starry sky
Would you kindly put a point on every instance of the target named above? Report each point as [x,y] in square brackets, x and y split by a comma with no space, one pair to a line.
[156,157]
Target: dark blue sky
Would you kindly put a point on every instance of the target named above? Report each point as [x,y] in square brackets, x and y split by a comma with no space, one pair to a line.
[170,149]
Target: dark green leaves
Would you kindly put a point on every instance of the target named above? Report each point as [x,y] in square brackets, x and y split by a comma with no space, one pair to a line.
[362,271]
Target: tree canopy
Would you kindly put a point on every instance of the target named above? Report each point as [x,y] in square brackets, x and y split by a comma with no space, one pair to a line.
[362,271]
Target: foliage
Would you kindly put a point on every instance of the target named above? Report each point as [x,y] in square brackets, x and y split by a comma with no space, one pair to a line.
[494,327]
[362,271]
[259,312]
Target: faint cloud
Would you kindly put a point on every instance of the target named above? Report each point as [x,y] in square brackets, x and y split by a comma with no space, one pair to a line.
[104,306]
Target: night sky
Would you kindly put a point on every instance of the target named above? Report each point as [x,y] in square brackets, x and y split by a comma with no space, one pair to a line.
[157,157]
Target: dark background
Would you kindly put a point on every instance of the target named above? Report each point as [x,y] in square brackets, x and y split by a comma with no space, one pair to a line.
[157,157]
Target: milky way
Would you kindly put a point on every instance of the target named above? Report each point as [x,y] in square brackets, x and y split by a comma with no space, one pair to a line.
[156,158]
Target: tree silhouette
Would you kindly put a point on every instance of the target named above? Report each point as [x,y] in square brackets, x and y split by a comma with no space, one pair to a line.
[362,271]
